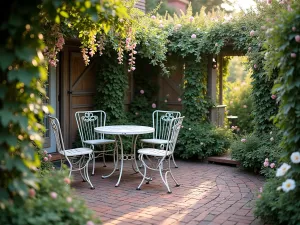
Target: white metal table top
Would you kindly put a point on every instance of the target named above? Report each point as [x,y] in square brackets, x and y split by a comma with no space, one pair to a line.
[124,129]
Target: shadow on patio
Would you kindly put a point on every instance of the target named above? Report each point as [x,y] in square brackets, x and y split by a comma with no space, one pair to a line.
[209,194]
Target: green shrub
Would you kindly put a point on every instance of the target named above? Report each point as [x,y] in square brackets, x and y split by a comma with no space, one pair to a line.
[252,150]
[200,140]
[53,203]
[277,207]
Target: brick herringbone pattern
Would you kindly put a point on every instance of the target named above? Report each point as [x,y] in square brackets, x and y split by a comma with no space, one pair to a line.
[209,194]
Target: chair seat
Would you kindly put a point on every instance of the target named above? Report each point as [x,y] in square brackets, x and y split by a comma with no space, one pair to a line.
[154,141]
[77,151]
[99,141]
[153,152]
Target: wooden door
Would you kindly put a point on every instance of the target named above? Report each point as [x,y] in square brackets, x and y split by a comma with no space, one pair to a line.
[171,87]
[78,88]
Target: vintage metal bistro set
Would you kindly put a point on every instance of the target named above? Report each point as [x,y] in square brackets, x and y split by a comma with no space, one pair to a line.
[92,130]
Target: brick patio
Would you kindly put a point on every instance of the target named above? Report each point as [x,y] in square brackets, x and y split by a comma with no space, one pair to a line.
[209,194]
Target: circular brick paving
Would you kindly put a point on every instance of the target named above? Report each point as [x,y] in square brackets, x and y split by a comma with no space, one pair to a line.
[208,194]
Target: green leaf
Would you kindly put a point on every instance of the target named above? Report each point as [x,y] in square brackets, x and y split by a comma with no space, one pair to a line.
[64,14]
[6,59]
[25,53]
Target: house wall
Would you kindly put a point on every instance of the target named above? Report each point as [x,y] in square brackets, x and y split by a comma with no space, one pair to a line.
[179,5]
[140,5]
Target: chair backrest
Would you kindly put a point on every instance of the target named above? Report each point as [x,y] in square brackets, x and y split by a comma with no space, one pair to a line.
[54,123]
[87,121]
[174,129]
[161,122]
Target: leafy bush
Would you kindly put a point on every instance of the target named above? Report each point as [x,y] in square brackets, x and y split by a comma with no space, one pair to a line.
[277,207]
[200,140]
[252,150]
[53,203]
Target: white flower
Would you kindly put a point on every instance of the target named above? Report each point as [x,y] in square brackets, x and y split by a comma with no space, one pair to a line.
[190,128]
[288,185]
[271,139]
[193,36]
[282,170]
[279,188]
[295,157]
[271,133]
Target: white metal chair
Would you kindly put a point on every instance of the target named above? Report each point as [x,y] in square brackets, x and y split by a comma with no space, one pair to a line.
[153,159]
[86,122]
[78,158]
[161,121]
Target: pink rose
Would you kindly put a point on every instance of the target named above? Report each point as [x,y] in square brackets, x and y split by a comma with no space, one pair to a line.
[193,36]
[31,192]
[49,156]
[67,180]
[273,96]
[53,195]
[297,38]
[243,140]
[272,165]
[260,189]
[90,223]
[266,160]
[191,19]
[45,159]
[153,17]
[153,105]
[259,196]
[179,99]
[133,68]
[142,92]
[293,55]
[71,209]
[45,152]
[269,1]
[252,33]
[255,66]
[69,199]
[266,164]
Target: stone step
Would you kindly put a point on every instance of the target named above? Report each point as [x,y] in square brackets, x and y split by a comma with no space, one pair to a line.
[223,159]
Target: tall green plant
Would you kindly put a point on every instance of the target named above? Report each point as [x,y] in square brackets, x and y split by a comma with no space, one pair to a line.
[283,50]
[112,82]
[22,72]
[195,103]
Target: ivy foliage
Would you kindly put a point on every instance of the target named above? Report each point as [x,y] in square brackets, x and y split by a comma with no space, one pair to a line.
[112,82]
[282,46]
[22,73]
[195,101]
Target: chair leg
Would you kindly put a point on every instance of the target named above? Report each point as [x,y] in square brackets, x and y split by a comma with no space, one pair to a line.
[145,173]
[164,179]
[104,156]
[93,156]
[86,172]
[174,161]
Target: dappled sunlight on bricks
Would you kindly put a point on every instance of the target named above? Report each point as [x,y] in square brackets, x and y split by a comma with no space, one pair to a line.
[209,194]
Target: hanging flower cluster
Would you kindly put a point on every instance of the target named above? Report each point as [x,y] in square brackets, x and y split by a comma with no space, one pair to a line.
[130,46]
[100,43]
[56,41]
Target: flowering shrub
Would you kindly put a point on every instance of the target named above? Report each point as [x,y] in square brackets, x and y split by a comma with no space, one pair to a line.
[54,202]
[252,151]
[280,200]
[200,140]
